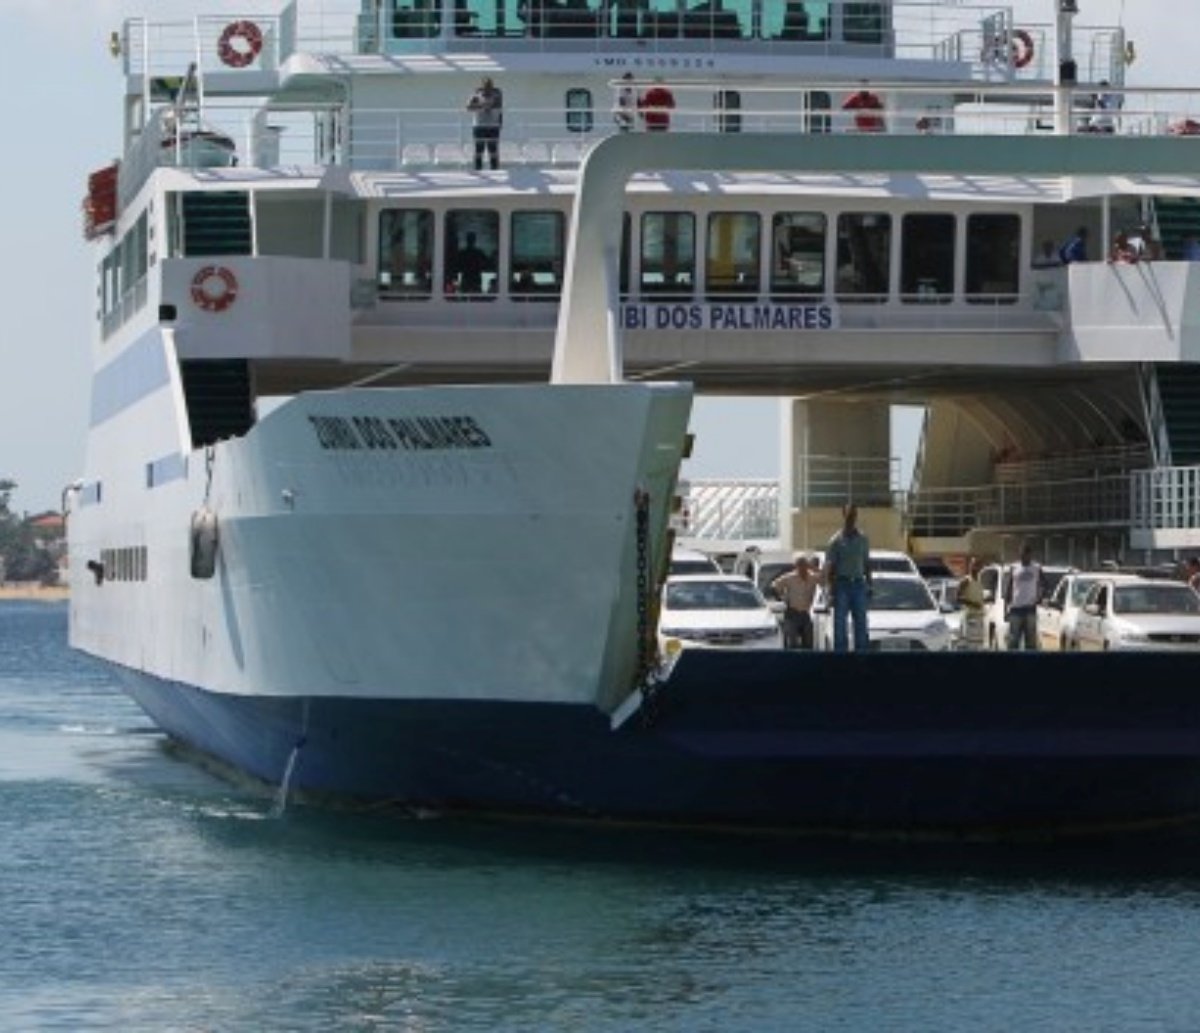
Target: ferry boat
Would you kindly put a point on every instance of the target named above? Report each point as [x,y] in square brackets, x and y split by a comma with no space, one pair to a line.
[385,442]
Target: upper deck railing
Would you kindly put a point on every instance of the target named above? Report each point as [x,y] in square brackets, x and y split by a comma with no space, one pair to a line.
[303,136]
[982,39]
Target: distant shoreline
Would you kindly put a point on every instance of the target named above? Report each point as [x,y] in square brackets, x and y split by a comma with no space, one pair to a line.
[35,593]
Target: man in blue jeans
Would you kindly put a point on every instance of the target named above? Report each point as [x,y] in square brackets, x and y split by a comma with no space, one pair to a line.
[848,574]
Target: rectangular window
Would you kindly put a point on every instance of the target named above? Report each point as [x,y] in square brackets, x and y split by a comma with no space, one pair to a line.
[732,263]
[798,253]
[729,111]
[993,258]
[406,253]
[796,21]
[927,258]
[558,19]
[668,257]
[866,22]
[580,117]
[472,254]
[416,19]
[660,19]
[864,250]
[537,254]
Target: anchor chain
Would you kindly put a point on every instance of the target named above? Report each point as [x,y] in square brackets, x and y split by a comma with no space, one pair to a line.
[210,457]
[645,677]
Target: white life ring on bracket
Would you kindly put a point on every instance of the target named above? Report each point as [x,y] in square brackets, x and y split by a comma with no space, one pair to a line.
[214,288]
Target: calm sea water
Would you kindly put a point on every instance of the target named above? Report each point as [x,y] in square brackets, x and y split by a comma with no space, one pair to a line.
[142,893]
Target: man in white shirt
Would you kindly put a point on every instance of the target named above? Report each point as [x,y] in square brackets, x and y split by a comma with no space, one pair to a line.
[1025,590]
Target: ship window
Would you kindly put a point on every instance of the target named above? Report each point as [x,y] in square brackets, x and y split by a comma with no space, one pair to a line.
[993,258]
[864,245]
[716,19]
[406,253]
[472,253]
[866,22]
[626,245]
[798,253]
[795,21]
[816,115]
[537,254]
[660,19]
[729,111]
[560,19]
[580,117]
[416,19]
[668,253]
[927,258]
[732,261]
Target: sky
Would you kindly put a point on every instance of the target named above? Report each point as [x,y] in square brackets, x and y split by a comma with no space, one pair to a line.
[71,125]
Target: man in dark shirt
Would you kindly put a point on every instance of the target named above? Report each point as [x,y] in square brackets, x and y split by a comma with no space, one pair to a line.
[472,264]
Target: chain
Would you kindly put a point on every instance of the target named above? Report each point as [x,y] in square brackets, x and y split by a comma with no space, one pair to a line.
[210,457]
[646,678]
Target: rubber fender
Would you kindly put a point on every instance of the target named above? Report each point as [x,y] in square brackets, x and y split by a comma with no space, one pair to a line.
[205,540]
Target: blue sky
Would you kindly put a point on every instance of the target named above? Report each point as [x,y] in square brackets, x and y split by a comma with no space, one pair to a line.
[70,124]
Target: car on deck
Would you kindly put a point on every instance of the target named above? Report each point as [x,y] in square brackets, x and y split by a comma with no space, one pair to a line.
[716,611]
[902,616]
[691,561]
[1141,614]
[1059,612]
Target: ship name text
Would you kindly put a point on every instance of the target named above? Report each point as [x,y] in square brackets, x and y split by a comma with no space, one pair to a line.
[728,317]
[398,433]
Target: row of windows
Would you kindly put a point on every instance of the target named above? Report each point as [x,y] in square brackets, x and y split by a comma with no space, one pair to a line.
[802,247]
[128,564]
[125,265]
[783,20]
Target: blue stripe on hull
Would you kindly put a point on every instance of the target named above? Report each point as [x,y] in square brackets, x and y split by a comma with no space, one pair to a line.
[963,743]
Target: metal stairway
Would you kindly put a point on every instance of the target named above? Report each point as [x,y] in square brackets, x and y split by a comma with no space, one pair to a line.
[1179,391]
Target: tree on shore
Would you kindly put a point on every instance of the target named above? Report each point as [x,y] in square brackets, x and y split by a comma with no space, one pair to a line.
[21,556]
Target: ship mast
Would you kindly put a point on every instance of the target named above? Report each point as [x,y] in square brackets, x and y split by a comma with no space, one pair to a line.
[1068,71]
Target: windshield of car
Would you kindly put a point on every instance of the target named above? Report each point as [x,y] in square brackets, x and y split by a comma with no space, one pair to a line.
[1155,599]
[888,594]
[691,567]
[712,595]
[891,564]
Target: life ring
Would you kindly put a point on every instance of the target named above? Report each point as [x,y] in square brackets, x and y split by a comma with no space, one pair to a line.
[214,288]
[240,44]
[1022,48]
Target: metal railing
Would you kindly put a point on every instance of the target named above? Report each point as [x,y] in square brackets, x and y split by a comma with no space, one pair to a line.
[824,480]
[1165,498]
[733,510]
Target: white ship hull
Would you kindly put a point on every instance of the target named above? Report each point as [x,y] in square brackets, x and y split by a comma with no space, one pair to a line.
[458,543]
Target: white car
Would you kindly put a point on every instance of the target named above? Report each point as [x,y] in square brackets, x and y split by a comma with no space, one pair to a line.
[691,561]
[1120,614]
[901,616]
[1058,615]
[995,579]
[716,610]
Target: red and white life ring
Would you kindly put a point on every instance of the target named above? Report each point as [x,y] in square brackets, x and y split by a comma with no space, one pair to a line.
[1022,48]
[240,44]
[214,288]
[1019,49]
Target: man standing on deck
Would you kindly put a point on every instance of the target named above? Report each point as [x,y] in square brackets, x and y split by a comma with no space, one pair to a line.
[796,589]
[1025,590]
[848,577]
[487,110]
[970,598]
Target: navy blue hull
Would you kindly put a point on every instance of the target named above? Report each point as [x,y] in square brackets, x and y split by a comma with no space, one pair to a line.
[956,743]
